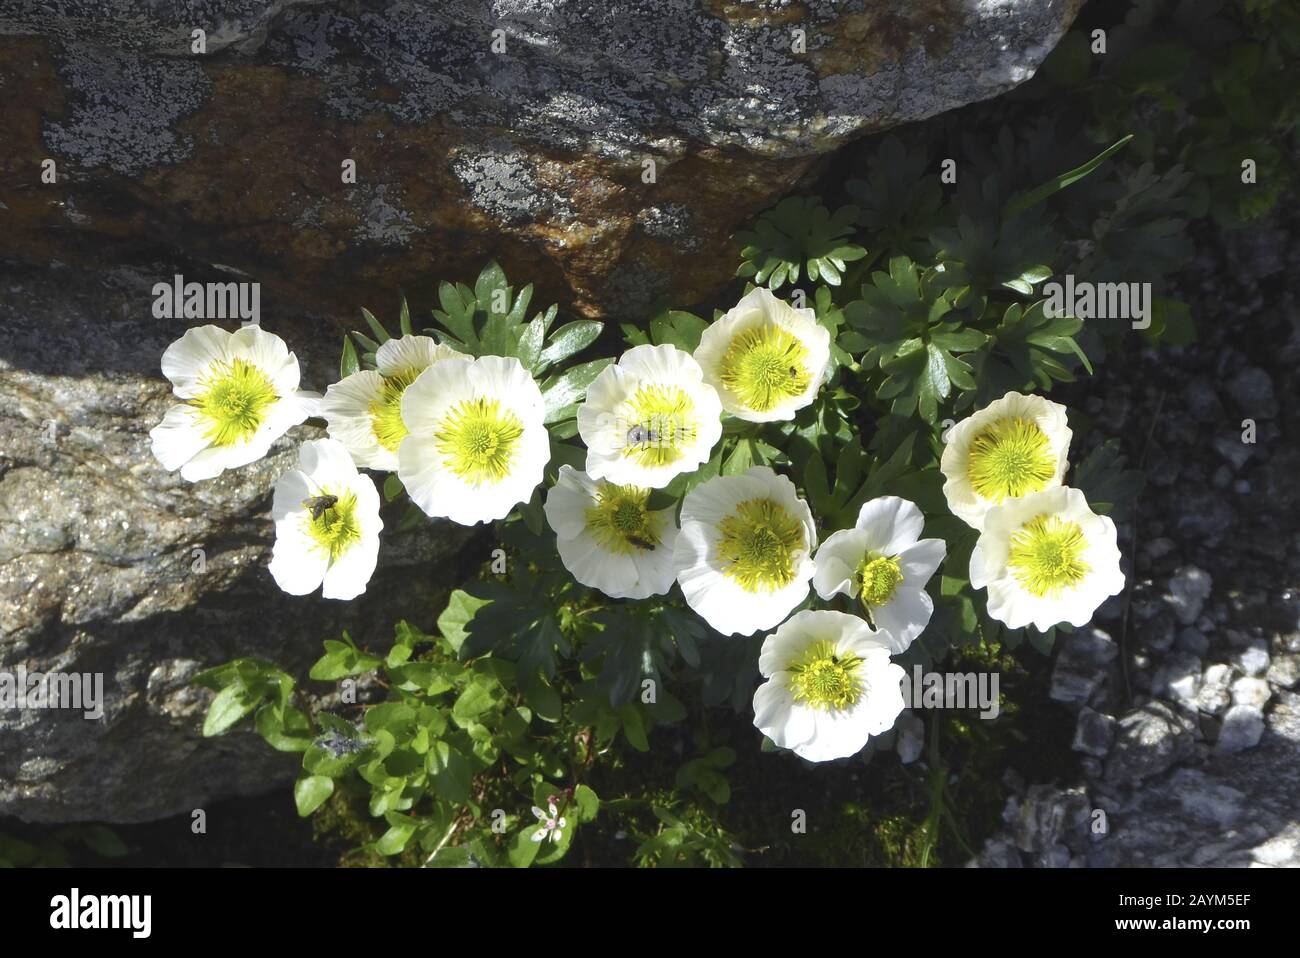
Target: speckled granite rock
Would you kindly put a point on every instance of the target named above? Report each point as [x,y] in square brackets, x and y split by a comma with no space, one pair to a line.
[533,153]
[98,572]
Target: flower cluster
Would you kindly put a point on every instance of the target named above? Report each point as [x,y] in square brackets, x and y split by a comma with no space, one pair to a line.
[468,438]
[1043,555]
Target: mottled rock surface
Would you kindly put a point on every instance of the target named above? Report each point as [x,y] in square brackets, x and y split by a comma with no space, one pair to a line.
[99,574]
[513,129]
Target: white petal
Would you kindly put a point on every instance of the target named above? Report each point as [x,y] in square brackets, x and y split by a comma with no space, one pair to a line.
[186,360]
[178,438]
[921,560]
[836,562]
[904,616]
[891,524]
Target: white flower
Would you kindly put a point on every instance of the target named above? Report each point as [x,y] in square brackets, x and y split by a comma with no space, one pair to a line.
[477,445]
[364,410]
[743,555]
[1012,447]
[765,358]
[649,417]
[607,537]
[1046,558]
[830,685]
[552,823]
[326,524]
[241,394]
[884,563]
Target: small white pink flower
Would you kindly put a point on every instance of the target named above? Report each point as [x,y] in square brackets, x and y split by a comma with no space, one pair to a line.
[551,821]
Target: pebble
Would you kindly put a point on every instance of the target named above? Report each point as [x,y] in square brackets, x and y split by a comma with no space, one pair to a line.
[1094,733]
[1251,693]
[1179,678]
[1253,660]
[1188,590]
[1243,727]
[1285,670]
[1252,391]
[1147,742]
[1238,453]
[1082,665]
[1214,697]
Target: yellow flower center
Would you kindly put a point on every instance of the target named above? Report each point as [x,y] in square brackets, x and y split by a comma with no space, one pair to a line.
[765,366]
[478,440]
[1011,458]
[660,423]
[620,521]
[878,577]
[759,544]
[235,400]
[1046,555]
[335,527]
[824,679]
[386,411]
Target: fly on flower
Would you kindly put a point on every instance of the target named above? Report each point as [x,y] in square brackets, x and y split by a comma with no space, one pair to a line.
[326,524]
[649,418]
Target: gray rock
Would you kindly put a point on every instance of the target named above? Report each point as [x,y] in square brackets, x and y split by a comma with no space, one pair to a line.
[1252,390]
[463,149]
[1188,590]
[1148,741]
[1243,727]
[998,854]
[1280,851]
[99,574]
[1082,665]
[1238,453]
[1203,402]
[1251,693]
[1285,670]
[1093,733]
[1179,678]
[1049,816]
[1253,660]
[1214,696]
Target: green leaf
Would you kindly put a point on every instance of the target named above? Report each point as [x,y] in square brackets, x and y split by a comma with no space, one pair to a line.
[310,792]
[569,339]
[678,328]
[1025,200]
[523,851]
[376,327]
[290,733]
[400,830]
[562,393]
[392,487]
[586,804]
[449,771]
[404,318]
[476,699]
[349,363]
[229,706]
[340,660]
[634,727]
